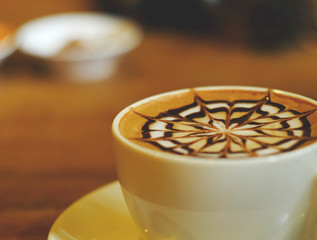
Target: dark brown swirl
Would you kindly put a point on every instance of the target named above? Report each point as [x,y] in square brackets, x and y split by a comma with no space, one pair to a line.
[224,129]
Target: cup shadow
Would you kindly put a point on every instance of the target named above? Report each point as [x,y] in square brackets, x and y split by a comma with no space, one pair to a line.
[309,231]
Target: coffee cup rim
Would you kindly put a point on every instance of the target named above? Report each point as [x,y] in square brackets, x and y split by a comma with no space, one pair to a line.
[205,161]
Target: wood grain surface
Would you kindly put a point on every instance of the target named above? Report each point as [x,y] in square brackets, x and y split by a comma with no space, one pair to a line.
[55,138]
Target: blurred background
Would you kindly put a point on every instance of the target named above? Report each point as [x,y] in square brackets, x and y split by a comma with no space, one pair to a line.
[55,138]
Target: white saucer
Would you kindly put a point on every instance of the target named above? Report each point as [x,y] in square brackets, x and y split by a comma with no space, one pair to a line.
[100,215]
[103,215]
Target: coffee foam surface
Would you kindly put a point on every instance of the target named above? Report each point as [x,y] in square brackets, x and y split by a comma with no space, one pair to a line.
[225,123]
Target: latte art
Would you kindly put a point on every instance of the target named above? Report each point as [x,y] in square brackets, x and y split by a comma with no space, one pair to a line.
[227,129]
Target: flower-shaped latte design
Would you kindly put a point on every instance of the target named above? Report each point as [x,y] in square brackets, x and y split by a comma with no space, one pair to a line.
[223,129]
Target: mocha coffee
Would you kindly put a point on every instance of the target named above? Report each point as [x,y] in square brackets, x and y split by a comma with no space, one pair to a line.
[222,122]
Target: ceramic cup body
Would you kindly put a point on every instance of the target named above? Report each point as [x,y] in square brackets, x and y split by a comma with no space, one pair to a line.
[186,198]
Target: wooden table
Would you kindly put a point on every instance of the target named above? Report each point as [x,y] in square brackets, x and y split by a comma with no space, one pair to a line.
[55,138]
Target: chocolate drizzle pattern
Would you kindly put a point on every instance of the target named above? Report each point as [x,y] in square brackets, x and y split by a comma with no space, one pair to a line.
[223,129]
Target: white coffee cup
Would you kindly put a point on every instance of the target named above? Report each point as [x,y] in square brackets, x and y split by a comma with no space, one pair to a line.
[188,198]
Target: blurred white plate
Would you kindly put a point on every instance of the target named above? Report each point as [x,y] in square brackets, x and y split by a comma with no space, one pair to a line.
[83,46]
[7,43]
